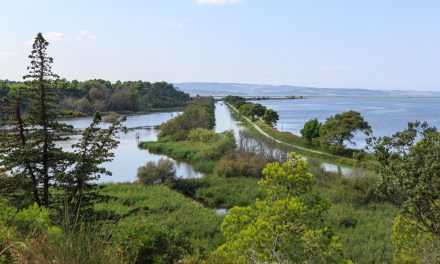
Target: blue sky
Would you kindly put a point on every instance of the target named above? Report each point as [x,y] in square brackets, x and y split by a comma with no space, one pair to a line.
[393,44]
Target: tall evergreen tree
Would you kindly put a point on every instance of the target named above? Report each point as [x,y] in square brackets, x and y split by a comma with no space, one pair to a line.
[29,152]
[93,149]
[42,113]
[16,152]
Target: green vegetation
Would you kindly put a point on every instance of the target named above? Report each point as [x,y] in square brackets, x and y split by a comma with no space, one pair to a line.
[162,172]
[220,192]
[294,140]
[362,221]
[281,209]
[87,97]
[341,128]
[310,130]
[30,151]
[198,114]
[409,166]
[149,213]
[285,226]
[202,155]
[269,116]
[189,137]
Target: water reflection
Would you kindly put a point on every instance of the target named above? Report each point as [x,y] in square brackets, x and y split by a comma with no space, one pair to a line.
[128,157]
[225,121]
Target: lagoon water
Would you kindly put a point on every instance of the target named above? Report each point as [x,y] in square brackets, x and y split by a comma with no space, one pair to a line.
[385,115]
[128,156]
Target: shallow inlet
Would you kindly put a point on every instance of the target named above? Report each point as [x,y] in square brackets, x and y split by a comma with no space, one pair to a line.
[128,156]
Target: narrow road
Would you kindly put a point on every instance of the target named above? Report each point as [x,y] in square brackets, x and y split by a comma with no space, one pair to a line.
[262,132]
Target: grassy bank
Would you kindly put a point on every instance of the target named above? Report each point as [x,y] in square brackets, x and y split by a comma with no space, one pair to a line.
[298,144]
[220,192]
[157,207]
[188,151]
[363,223]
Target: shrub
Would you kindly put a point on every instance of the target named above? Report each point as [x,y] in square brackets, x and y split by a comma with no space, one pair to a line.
[223,145]
[240,164]
[162,172]
[202,135]
[198,114]
[146,243]
[111,117]
[18,229]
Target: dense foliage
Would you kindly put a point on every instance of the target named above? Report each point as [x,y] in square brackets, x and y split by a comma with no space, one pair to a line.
[162,172]
[284,227]
[409,165]
[87,97]
[341,128]
[311,130]
[252,110]
[198,114]
[30,151]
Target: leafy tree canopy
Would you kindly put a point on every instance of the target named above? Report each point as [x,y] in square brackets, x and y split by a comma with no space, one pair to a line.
[311,129]
[341,128]
[285,226]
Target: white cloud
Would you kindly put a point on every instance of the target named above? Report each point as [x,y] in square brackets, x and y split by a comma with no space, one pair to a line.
[218,2]
[84,34]
[8,54]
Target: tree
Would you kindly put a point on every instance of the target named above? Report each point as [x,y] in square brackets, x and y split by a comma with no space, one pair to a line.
[162,172]
[259,110]
[236,101]
[285,226]
[270,117]
[342,127]
[30,153]
[311,129]
[252,110]
[409,166]
[93,149]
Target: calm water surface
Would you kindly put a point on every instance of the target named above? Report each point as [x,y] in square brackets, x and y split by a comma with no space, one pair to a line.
[128,157]
[385,115]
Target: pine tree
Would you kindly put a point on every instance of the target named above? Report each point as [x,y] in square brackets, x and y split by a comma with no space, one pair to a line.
[42,113]
[93,149]
[16,151]
[28,153]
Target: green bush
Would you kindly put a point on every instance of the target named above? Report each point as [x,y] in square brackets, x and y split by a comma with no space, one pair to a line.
[218,192]
[162,172]
[198,114]
[18,229]
[240,164]
[147,243]
[202,135]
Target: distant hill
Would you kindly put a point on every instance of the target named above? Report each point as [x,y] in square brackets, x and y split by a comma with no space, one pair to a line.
[222,89]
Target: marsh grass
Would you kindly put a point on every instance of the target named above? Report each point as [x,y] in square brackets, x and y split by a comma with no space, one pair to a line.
[221,192]
[358,217]
[188,151]
[147,208]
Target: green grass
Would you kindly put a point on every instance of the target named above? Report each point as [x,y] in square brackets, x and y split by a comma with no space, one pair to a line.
[221,192]
[191,152]
[363,225]
[144,207]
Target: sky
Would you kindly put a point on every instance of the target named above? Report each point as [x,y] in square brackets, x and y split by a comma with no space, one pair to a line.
[376,44]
